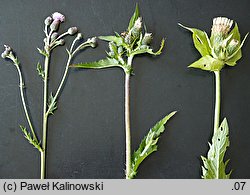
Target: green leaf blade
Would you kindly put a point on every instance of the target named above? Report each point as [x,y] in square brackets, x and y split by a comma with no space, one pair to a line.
[200,39]
[104,63]
[148,144]
[31,139]
[117,39]
[208,63]
[134,17]
[213,165]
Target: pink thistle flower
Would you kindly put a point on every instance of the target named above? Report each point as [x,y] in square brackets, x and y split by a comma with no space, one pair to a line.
[58,16]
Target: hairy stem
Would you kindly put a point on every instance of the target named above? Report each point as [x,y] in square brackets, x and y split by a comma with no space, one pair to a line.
[21,86]
[217,101]
[127,121]
[45,117]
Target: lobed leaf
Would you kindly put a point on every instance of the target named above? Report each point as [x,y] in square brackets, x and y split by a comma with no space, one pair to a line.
[31,140]
[213,166]
[44,53]
[51,104]
[40,70]
[147,49]
[148,144]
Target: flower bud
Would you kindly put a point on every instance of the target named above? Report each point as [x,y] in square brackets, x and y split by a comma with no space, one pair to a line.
[128,39]
[147,39]
[136,30]
[48,21]
[93,42]
[4,54]
[120,50]
[79,36]
[232,45]
[55,25]
[54,36]
[61,42]
[58,16]
[72,30]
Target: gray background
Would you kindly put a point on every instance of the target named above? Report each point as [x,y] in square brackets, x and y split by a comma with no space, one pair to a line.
[86,134]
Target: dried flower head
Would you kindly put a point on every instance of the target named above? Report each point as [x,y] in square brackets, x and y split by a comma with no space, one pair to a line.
[221,25]
[58,16]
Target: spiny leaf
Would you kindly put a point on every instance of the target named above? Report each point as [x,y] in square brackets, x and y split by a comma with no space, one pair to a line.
[201,41]
[146,49]
[31,140]
[134,17]
[104,63]
[51,104]
[213,166]
[117,39]
[207,63]
[148,144]
[40,70]
[43,52]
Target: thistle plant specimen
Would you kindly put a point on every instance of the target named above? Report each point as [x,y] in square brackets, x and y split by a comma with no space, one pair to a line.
[123,47]
[222,48]
[51,41]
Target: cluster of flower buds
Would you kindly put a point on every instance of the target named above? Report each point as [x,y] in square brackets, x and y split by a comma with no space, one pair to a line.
[54,21]
[92,41]
[53,39]
[8,54]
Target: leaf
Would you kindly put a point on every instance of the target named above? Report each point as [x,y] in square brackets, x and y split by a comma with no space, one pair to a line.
[148,144]
[134,17]
[201,41]
[51,104]
[213,166]
[147,49]
[116,39]
[208,63]
[31,140]
[40,70]
[44,53]
[104,63]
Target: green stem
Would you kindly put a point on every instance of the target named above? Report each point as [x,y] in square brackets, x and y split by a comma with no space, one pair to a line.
[60,85]
[45,117]
[127,121]
[217,101]
[21,86]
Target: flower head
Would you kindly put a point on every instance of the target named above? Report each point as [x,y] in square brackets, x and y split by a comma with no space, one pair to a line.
[58,16]
[221,25]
